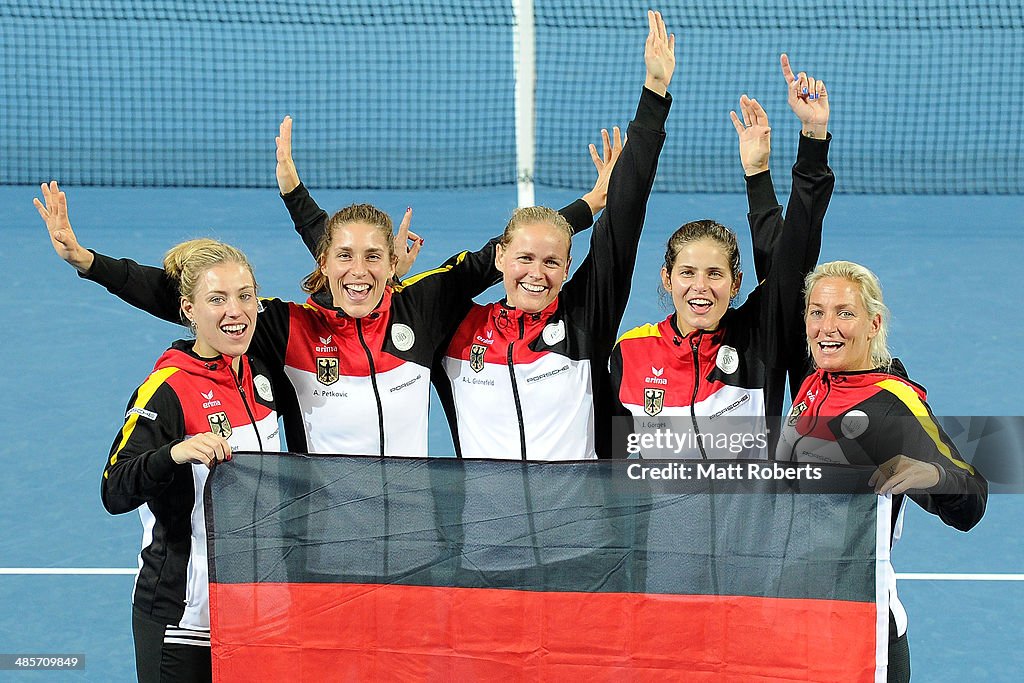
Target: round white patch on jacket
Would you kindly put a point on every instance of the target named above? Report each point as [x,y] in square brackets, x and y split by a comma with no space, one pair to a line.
[854,424]
[553,333]
[402,336]
[728,359]
[262,385]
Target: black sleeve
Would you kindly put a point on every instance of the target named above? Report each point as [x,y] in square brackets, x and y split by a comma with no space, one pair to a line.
[145,287]
[910,429]
[599,288]
[764,215]
[774,310]
[309,219]
[577,215]
[151,290]
[140,467]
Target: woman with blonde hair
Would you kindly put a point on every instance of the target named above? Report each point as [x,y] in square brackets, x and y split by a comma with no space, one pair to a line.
[858,406]
[205,398]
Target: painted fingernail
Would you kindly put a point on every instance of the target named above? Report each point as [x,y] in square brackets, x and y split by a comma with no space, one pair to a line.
[421,241]
[805,91]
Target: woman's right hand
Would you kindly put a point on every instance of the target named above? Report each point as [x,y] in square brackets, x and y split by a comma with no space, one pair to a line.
[205,449]
[287,175]
[54,212]
[755,136]
[659,54]
[808,99]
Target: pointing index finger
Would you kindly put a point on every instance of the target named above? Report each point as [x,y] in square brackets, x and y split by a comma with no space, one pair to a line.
[787,70]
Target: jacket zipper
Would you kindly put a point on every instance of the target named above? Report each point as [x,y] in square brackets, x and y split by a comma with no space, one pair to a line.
[245,401]
[373,382]
[695,346]
[515,391]
[815,414]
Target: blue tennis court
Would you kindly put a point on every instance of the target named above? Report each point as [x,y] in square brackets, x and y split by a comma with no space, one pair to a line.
[947,263]
[158,119]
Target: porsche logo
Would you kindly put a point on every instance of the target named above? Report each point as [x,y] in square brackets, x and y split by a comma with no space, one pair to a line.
[219,424]
[327,370]
[654,401]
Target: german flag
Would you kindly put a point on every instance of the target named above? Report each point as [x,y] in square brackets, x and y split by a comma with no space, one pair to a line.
[338,568]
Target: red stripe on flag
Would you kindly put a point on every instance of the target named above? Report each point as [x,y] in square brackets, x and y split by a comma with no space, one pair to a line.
[360,632]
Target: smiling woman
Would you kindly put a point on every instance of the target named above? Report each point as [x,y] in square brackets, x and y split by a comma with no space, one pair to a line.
[204,399]
[528,376]
[533,257]
[218,296]
[355,259]
[847,323]
[707,360]
[859,407]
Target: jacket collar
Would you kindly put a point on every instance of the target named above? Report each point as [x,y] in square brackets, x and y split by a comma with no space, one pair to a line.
[217,369]
[508,320]
[862,378]
[682,344]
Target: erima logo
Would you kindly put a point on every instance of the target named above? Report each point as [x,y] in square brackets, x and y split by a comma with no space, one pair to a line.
[326,348]
[657,379]
[210,402]
[207,396]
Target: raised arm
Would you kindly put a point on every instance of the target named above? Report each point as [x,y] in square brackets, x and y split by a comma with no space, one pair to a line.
[600,287]
[808,99]
[790,247]
[765,212]
[308,217]
[310,220]
[53,209]
[141,286]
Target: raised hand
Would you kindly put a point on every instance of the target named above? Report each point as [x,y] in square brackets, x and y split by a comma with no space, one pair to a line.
[405,252]
[755,136]
[901,474]
[205,449]
[659,54]
[287,175]
[54,212]
[808,99]
[597,198]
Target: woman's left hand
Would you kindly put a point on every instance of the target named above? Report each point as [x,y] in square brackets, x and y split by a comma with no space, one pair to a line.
[597,198]
[405,251]
[901,474]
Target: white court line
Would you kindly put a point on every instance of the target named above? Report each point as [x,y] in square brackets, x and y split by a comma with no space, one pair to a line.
[60,571]
[960,577]
[103,571]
